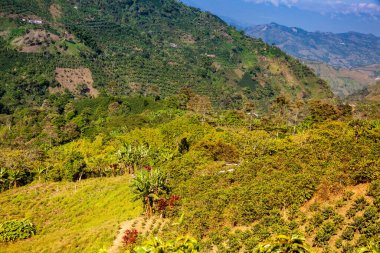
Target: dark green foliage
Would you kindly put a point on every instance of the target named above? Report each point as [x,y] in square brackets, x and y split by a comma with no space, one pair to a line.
[348,233]
[16,230]
[374,189]
[232,168]
[324,234]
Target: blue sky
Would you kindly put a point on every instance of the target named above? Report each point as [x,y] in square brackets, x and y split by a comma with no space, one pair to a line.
[326,16]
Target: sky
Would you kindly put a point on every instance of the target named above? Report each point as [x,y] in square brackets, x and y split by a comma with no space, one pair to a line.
[324,15]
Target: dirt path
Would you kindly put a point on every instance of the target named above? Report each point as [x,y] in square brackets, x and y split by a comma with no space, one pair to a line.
[142,225]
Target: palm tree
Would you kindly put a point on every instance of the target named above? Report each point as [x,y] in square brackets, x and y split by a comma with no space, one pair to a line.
[125,155]
[132,156]
[284,244]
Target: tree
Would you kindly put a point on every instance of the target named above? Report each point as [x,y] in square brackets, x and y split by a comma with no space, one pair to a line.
[131,157]
[3,179]
[249,109]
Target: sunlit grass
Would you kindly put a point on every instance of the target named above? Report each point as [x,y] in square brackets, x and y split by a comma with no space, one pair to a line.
[70,217]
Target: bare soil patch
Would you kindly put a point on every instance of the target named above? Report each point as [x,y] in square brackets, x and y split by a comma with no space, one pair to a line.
[55,11]
[35,41]
[188,39]
[78,81]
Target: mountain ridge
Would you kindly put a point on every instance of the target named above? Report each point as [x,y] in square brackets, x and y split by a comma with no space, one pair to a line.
[348,50]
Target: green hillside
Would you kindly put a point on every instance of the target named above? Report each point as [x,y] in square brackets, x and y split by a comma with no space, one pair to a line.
[141,47]
[160,120]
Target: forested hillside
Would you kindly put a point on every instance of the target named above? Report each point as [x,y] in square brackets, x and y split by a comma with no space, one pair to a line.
[238,180]
[140,47]
[159,119]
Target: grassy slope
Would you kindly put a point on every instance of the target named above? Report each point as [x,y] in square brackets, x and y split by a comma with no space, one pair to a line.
[70,217]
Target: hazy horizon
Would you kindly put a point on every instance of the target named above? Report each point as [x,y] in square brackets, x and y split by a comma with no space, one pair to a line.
[324,16]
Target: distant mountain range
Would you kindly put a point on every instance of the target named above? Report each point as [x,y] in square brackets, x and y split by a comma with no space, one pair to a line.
[348,61]
[348,50]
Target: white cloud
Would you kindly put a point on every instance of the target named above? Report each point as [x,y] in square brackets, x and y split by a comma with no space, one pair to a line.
[329,6]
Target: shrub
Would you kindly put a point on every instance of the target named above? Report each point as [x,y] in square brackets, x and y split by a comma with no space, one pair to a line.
[324,234]
[374,189]
[14,230]
[348,233]
[130,237]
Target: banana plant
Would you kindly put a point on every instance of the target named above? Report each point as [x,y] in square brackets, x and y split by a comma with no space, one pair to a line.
[14,176]
[284,244]
[373,247]
[3,178]
[182,244]
[149,186]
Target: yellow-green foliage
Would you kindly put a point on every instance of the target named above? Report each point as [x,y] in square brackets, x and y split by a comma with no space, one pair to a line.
[70,217]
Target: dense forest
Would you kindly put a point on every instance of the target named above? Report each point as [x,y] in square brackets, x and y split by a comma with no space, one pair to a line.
[197,138]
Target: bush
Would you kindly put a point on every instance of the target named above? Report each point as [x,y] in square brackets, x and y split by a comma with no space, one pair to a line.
[130,237]
[374,189]
[348,233]
[324,234]
[14,230]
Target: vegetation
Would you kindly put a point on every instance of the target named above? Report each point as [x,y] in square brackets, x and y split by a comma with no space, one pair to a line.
[284,244]
[181,244]
[14,230]
[231,165]
[149,185]
[76,217]
[170,46]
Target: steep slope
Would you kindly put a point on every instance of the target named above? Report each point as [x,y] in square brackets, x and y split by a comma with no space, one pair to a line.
[345,82]
[366,102]
[346,50]
[142,47]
